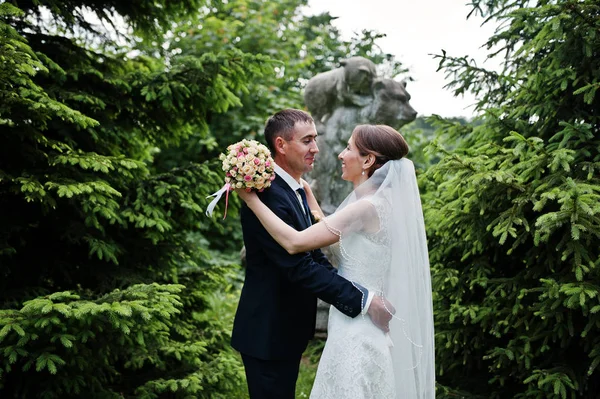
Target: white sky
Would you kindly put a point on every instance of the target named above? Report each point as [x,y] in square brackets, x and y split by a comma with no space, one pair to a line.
[416,29]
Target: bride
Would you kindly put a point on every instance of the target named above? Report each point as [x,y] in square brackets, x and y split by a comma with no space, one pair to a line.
[379,236]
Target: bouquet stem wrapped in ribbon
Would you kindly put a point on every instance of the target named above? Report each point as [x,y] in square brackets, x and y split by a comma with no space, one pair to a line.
[248,165]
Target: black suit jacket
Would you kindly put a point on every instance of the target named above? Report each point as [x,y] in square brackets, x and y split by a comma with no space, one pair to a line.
[276,314]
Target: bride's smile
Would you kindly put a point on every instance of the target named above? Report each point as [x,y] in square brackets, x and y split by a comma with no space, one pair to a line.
[354,165]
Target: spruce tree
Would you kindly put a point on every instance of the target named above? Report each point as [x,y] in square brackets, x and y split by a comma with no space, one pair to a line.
[106,278]
[513,211]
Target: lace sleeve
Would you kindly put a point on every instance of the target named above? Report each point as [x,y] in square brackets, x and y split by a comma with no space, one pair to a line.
[383,212]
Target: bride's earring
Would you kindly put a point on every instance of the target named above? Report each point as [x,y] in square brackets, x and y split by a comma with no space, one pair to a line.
[363,172]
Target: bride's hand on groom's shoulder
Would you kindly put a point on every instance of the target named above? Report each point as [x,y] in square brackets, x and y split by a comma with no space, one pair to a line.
[305,185]
[315,209]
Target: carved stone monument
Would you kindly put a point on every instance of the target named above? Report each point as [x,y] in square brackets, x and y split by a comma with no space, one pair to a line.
[348,85]
[339,100]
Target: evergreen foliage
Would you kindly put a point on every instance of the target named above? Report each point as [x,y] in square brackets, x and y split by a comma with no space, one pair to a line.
[303,46]
[420,133]
[513,211]
[105,273]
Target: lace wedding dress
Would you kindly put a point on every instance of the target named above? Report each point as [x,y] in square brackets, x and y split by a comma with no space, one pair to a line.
[359,360]
[356,361]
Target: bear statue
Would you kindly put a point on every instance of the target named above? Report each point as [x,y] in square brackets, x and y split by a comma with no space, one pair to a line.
[385,102]
[350,84]
[390,105]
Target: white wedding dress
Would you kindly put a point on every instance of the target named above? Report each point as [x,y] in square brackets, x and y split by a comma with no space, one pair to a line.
[359,360]
[356,362]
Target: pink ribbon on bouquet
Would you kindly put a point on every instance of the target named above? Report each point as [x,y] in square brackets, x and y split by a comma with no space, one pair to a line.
[218,195]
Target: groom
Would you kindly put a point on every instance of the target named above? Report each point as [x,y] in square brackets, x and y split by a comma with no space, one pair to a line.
[276,314]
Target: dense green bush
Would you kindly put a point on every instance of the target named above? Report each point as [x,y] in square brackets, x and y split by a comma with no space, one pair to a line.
[106,271]
[513,211]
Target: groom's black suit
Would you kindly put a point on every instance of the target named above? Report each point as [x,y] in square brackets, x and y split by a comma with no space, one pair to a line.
[275,318]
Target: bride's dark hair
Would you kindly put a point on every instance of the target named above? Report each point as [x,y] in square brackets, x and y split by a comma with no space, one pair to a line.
[383,141]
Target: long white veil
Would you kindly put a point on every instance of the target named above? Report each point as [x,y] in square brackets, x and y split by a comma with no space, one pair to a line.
[405,275]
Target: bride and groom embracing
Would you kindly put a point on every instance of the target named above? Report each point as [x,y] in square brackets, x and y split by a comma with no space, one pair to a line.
[380,331]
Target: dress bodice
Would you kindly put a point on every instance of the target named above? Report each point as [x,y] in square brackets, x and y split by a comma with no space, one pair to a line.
[365,257]
[366,266]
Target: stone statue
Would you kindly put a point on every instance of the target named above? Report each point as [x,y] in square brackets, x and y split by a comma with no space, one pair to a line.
[388,104]
[348,85]
[339,100]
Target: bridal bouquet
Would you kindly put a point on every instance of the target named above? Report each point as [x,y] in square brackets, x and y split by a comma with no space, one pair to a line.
[247,164]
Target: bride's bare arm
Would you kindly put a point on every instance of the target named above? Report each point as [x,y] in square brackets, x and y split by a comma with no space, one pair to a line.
[316,236]
[293,241]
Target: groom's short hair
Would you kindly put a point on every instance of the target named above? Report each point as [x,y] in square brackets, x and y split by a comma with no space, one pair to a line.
[282,125]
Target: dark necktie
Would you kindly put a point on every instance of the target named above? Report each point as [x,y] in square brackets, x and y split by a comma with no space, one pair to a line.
[305,204]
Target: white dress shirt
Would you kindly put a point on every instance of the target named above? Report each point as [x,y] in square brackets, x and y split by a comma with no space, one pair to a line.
[294,185]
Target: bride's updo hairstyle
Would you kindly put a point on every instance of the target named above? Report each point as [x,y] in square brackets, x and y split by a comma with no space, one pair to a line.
[383,141]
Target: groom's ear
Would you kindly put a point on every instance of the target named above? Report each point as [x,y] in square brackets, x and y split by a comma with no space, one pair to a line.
[280,145]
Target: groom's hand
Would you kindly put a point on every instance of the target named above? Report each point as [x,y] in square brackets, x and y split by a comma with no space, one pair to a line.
[381,311]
